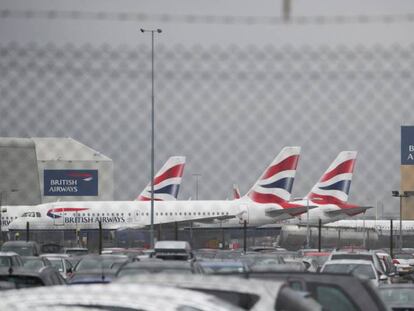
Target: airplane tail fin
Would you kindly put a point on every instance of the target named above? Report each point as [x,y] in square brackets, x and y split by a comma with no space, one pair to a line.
[236,192]
[276,182]
[166,182]
[334,185]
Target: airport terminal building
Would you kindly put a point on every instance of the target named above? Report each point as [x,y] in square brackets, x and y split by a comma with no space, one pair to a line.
[41,170]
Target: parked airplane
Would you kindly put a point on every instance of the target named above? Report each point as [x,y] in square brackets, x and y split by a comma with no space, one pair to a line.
[264,203]
[382,226]
[330,194]
[167,182]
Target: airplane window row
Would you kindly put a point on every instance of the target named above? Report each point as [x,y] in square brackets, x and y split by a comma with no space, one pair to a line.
[31,214]
[7,217]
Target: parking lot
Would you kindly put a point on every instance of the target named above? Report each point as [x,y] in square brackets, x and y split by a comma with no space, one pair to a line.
[173,276]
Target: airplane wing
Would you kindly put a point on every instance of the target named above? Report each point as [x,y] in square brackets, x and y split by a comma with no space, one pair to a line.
[293,211]
[207,220]
[348,211]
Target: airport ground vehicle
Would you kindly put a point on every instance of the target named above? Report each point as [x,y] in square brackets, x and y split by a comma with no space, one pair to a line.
[22,278]
[398,296]
[335,292]
[35,263]
[10,259]
[247,294]
[358,268]
[23,248]
[158,266]
[112,297]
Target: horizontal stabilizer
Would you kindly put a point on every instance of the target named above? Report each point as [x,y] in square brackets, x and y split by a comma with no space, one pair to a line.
[293,211]
[348,211]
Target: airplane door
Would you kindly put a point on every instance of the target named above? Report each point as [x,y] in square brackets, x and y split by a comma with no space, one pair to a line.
[243,213]
[59,217]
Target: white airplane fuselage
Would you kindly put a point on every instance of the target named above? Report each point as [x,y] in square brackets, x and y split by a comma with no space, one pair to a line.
[136,214]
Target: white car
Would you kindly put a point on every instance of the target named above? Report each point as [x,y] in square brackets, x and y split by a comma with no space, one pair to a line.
[360,268]
[404,262]
[111,297]
[254,295]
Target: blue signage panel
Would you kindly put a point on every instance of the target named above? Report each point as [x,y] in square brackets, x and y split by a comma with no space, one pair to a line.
[70,182]
[407,145]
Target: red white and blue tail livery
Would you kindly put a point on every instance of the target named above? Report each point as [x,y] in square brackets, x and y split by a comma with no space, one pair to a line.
[166,182]
[275,184]
[334,185]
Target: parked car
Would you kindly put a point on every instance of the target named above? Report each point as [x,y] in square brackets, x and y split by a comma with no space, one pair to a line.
[112,297]
[173,250]
[21,278]
[245,294]
[404,263]
[359,268]
[335,292]
[353,254]
[35,263]
[398,296]
[23,248]
[61,263]
[10,259]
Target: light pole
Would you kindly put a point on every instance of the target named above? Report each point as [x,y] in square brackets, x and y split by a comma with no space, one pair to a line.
[401,194]
[307,217]
[152,31]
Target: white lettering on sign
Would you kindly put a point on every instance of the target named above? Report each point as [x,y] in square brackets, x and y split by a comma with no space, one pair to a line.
[410,157]
[411,148]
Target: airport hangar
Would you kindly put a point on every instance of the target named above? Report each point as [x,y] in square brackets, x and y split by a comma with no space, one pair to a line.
[41,170]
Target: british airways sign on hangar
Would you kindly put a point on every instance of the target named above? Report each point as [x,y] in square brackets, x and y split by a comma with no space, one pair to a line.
[407,145]
[70,182]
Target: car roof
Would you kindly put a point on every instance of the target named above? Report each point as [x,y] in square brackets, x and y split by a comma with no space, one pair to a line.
[123,295]
[221,283]
[349,261]
[8,254]
[159,263]
[20,243]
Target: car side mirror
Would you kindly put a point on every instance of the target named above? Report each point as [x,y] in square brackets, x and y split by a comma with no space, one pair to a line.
[69,270]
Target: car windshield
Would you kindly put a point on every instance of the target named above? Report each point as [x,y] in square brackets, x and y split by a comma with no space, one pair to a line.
[98,263]
[137,271]
[57,263]
[22,250]
[355,269]
[320,260]
[33,263]
[216,268]
[398,296]
[22,281]
[76,252]
[352,256]
[5,261]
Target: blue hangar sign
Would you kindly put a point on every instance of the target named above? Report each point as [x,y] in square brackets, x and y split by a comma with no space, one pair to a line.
[407,145]
[70,182]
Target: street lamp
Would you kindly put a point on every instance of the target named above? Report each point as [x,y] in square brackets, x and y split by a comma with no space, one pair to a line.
[152,31]
[307,217]
[401,194]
